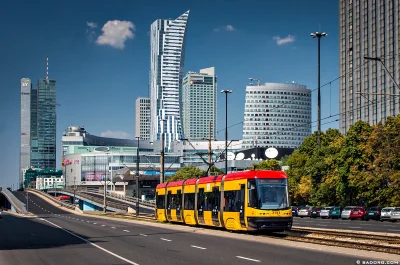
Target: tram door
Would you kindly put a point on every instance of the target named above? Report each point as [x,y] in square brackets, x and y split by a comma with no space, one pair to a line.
[178,205]
[200,206]
[169,205]
[216,204]
[242,208]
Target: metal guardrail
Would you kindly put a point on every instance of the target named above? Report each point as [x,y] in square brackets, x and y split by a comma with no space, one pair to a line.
[115,205]
[63,204]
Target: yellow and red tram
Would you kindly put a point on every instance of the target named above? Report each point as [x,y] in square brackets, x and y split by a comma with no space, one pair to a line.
[247,200]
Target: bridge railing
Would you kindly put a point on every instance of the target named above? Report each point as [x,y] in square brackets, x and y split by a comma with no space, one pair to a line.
[100,201]
[19,206]
[63,204]
[124,197]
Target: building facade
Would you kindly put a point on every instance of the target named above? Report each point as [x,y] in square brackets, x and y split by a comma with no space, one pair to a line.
[142,126]
[276,115]
[368,29]
[38,124]
[199,104]
[167,56]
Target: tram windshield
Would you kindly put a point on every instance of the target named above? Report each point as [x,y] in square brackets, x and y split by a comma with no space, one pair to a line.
[272,194]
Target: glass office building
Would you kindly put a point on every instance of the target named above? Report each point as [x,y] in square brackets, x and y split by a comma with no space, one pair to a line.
[276,115]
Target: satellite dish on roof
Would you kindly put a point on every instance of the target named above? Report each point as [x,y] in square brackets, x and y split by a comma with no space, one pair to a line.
[240,156]
[271,153]
[230,156]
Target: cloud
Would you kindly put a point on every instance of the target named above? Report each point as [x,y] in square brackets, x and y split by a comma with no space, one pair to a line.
[91,25]
[116,134]
[227,28]
[285,40]
[115,33]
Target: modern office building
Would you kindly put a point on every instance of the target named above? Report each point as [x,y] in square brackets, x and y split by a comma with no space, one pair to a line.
[37,125]
[368,29]
[142,126]
[167,56]
[199,104]
[276,115]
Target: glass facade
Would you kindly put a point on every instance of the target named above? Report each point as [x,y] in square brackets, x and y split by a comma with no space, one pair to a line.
[199,104]
[276,115]
[167,56]
[25,130]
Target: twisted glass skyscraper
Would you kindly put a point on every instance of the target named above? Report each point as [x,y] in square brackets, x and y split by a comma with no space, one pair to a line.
[167,56]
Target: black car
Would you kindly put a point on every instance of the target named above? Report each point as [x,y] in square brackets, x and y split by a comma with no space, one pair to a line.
[315,212]
[373,213]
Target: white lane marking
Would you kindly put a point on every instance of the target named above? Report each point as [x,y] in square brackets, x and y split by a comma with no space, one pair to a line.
[83,220]
[103,225]
[95,223]
[142,234]
[126,231]
[354,227]
[112,227]
[93,244]
[197,247]
[165,239]
[255,260]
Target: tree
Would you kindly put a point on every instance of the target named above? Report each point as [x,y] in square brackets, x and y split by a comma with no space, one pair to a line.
[214,171]
[271,164]
[284,160]
[187,172]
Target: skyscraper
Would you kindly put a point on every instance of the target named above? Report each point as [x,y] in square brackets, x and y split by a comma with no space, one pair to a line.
[199,104]
[276,115]
[38,125]
[167,56]
[143,118]
[368,29]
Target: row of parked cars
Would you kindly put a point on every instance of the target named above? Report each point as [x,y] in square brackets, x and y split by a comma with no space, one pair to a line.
[350,212]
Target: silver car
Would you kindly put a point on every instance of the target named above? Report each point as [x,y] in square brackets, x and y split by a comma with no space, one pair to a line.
[346,212]
[385,213]
[325,212]
[395,214]
[305,211]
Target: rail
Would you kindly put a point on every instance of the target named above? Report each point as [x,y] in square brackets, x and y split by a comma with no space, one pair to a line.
[115,205]
[62,204]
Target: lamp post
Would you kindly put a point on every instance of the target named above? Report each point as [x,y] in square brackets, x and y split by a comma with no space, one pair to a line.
[319,36]
[137,176]
[226,128]
[105,183]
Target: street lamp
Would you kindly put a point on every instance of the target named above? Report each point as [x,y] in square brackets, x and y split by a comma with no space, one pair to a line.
[319,36]
[105,182]
[137,176]
[226,128]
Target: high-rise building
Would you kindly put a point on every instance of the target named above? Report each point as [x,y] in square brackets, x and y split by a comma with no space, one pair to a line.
[199,104]
[368,29]
[38,125]
[276,115]
[167,56]
[143,118]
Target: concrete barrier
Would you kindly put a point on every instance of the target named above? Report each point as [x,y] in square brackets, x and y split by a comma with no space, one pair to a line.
[19,206]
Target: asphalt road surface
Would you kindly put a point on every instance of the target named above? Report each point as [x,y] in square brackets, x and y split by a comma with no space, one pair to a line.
[355,225]
[58,237]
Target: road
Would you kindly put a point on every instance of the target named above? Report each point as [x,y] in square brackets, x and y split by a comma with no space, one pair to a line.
[58,237]
[355,225]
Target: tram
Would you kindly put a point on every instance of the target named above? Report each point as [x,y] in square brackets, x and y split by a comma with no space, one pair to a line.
[249,200]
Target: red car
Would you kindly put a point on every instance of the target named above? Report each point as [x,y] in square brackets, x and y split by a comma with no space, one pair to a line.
[357,213]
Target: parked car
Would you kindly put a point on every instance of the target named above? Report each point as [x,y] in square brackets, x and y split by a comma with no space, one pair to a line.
[316,212]
[335,212]
[325,212]
[385,213]
[357,213]
[346,212]
[373,213]
[305,211]
[395,214]
[294,211]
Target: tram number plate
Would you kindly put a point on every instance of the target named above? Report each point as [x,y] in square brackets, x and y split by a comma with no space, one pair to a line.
[275,213]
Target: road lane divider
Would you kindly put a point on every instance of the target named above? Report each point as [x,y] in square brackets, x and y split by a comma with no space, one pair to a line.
[255,260]
[93,244]
[168,240]
[193,246]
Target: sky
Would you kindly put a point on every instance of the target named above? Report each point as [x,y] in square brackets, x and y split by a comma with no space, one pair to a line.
[99,55]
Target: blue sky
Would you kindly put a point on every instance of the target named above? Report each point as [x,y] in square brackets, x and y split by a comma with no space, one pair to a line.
[97,84]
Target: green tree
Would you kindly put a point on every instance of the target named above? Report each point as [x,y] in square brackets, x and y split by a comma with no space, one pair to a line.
[214,171]
[284,160]
[187,172]
[271,164]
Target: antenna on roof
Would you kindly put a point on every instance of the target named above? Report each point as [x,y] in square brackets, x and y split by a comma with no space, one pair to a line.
[47,69]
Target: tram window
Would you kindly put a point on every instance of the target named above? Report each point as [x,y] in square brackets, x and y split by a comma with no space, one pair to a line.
[211,200]
[189,201]
[200,199]
[252,193]
[178,200]
[232,201]
[170,200]
[160,201]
